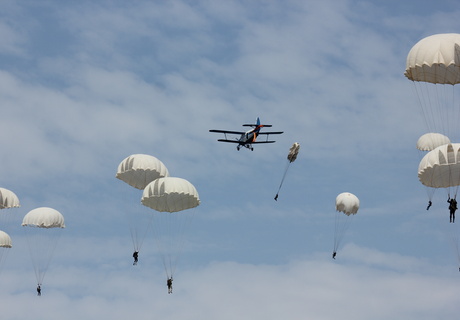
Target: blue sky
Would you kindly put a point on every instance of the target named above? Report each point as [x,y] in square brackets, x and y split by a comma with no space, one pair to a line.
[83,85]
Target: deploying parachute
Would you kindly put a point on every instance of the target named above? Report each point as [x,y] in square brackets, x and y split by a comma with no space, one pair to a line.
[43,227]
[170,197]
[292,156]
[346,205]
[138,170]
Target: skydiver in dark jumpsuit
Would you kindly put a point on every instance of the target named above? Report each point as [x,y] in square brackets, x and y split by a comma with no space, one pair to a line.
[169,283]
[135,256]
[452,208]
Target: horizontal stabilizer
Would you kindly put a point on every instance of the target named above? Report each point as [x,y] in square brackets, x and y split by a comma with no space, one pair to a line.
[256,125]
[267,133]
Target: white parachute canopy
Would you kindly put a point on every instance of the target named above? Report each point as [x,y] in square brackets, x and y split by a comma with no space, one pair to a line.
[430,141]
[170,194]
[347,203]
[440,168]
[8,199]
[5,240]
[44,217]
[435,59]
[138,170]
[43,227]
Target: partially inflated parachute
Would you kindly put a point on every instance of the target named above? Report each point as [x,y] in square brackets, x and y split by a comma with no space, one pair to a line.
[292,156]
[346,205]
[170,198]
[43,226]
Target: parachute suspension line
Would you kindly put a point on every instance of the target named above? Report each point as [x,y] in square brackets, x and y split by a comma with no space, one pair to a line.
[342,223]
[180,247]
[42,247]
[425,110]
[282,179]
[3,256]
[137,235]
[169,228]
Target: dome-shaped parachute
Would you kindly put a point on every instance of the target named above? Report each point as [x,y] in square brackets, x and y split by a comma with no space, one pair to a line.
[5,240]
[430,141]
[170,198]
[8,199]
[440,168]
[44,217]
[43,227]
[346,205]
[138,170]
[435,59]
[170,194]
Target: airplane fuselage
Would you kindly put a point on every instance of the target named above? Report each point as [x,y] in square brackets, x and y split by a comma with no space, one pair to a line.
[248,138]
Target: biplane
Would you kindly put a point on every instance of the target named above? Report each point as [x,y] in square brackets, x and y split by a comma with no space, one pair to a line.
[248,138]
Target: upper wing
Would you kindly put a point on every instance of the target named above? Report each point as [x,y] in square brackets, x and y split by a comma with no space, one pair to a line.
[253,142]
[267,133]
[227,131]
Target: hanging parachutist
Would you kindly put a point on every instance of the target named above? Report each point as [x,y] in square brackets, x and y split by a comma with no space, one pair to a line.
[169,283]
[135,256]
[276,197]
[39,290]
[429,205]
[334,254]
[452,208]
